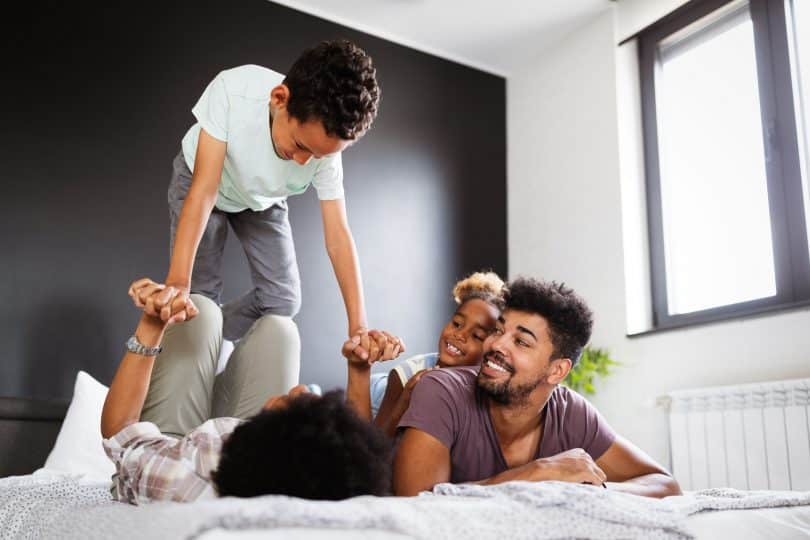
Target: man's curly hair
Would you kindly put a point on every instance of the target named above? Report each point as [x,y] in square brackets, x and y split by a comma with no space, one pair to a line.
[569,318]
[334,82]
[313,448]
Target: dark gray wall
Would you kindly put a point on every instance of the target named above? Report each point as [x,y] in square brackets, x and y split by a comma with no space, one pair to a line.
[96,97]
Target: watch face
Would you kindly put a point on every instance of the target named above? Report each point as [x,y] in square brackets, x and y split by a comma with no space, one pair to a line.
[135,346]
[132,344]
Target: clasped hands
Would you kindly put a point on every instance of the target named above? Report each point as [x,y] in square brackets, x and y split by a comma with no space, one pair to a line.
[366,347]
[169,303]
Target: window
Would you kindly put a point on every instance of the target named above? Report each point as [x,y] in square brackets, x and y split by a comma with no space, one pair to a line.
[724,116]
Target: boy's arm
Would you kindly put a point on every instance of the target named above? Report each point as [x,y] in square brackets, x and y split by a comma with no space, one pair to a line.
[200,200]
[131,382]
[343,255]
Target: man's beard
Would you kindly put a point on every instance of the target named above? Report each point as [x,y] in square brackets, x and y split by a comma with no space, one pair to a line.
[506,393]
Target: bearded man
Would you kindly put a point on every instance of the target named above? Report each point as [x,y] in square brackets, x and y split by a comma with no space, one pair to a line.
[510,419]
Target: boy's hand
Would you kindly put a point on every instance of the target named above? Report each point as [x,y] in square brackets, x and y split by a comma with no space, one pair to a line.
[182,310]
[162,301]
[140,290]
[367,347]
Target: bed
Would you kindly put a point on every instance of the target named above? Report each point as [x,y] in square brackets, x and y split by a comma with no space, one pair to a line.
[69,498]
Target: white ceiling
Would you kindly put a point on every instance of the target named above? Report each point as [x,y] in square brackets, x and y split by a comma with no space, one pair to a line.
[497,36]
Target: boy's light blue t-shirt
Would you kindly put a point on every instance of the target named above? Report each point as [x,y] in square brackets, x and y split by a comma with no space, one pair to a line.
[235,108]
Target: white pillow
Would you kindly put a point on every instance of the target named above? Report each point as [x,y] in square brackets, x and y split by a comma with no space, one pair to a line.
[78,450]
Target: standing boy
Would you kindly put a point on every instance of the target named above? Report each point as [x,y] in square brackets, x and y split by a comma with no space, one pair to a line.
[260,137]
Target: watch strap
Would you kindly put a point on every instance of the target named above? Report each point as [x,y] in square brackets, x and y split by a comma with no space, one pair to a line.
[135,346]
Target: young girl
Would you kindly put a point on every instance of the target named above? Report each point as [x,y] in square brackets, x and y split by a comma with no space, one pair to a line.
[460,344]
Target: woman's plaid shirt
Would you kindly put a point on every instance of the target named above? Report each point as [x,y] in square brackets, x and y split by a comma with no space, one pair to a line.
[151,466]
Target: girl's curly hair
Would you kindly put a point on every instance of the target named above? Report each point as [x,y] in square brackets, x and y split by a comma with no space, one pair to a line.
[487,286]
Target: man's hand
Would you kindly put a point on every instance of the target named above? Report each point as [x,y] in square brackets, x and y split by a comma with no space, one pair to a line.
[161,300]
[170,304]
[369,346]
[574,465]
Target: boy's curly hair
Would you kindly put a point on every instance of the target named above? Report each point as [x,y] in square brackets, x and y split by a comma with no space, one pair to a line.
[569,318]
[487,286]
[313,448]
[334,82]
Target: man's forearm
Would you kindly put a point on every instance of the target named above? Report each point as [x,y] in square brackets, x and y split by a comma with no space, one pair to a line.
[530,472]
[128,390]
[346,265]
[656,485]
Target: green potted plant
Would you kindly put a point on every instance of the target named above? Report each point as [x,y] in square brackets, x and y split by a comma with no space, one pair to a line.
[593,362]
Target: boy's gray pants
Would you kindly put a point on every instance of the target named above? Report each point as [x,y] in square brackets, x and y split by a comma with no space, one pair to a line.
[185,391]
[267,240]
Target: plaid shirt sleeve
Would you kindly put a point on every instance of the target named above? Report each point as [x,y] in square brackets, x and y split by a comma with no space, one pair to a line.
[151,466]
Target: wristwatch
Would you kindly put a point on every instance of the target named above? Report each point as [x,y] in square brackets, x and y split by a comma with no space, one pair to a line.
[135,346]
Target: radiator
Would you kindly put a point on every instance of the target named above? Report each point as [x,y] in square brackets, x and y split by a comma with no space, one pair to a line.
[753,436]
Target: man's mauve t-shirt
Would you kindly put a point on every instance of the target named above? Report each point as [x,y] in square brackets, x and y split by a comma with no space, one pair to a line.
[448,405]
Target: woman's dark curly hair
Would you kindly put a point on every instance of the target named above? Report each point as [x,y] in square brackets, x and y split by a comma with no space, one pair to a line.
[334,82]
[313,448]
[569,319]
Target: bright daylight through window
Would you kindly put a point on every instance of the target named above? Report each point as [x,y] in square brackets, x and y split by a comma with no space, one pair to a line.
[713,181]
[725,148]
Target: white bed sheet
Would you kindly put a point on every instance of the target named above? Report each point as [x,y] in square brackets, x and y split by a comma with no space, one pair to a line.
[783,523]
[302,534]
[760,524]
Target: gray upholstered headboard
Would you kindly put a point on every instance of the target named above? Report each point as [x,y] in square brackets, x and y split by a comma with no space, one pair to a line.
[28,430]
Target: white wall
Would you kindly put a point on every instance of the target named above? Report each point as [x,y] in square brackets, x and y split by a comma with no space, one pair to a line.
[634,15]
[565,223]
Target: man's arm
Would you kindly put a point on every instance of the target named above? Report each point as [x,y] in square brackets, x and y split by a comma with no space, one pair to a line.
[421,462]
[631,470]
[345,263]
[200,200]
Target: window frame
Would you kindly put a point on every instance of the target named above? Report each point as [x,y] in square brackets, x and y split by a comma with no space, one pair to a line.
[783,165]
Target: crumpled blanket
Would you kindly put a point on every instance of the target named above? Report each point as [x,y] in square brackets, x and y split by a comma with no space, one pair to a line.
[63,508]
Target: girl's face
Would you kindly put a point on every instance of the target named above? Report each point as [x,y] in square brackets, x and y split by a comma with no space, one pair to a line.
[461,341]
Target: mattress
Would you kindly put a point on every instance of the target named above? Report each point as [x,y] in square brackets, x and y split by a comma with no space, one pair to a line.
[46,505]
[754,524]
